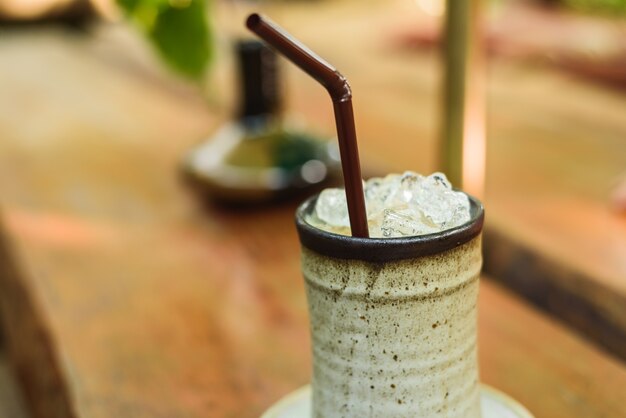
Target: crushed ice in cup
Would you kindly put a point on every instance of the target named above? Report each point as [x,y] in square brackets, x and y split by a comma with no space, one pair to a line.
[398,205]
[332,208]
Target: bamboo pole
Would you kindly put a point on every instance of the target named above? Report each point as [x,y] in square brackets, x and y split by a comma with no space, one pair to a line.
[462,142]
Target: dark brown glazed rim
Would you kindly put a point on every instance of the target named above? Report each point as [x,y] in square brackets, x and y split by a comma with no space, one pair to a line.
[386,249]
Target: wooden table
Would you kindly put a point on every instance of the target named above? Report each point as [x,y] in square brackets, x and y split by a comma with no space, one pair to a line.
[121,297]
[11,402]
[206,316]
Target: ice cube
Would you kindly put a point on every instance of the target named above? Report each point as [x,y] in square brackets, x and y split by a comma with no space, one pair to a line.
[444,209]
[403,223]
[377,193]
[331,207]
[461,210]
[436,182]
[406,188]
[411,179]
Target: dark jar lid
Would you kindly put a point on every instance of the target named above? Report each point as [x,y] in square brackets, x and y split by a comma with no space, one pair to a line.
[385,249]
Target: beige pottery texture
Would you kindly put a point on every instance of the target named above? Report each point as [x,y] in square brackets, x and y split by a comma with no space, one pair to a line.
[395,339]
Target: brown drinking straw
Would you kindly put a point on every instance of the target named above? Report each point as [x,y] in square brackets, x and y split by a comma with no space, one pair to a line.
[339,90]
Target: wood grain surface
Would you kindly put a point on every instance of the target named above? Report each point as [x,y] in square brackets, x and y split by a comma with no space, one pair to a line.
[11,402]
[121,296]
[196,320]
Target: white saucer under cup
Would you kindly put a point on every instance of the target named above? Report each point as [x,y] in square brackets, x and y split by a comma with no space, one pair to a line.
[494,404]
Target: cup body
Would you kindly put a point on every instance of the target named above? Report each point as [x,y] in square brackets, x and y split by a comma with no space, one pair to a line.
[393,322]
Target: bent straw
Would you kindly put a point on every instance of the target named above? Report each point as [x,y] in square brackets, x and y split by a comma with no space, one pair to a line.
[339,90]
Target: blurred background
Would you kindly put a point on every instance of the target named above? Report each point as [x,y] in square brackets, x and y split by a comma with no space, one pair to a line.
[102,103]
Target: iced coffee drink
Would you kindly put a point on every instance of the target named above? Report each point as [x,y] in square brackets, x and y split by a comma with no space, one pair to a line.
[393,317]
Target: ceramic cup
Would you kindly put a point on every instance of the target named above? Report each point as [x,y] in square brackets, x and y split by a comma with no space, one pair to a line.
[393,321]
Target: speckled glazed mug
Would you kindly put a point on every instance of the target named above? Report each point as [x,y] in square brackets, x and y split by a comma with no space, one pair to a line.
[393,321]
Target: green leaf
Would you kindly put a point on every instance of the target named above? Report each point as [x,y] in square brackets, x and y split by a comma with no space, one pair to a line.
[178,29]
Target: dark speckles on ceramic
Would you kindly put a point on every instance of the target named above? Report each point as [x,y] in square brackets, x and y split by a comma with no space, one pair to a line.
[395,339]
